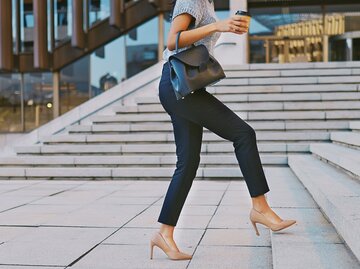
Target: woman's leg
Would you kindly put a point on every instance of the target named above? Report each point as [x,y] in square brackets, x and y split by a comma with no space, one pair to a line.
[188,138]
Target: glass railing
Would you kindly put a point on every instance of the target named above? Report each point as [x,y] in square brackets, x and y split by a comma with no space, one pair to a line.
[98,10]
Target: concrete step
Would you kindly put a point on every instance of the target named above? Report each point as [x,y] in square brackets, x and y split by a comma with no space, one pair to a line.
[154,160]
[266,97]
[294,66]
[354,125]
[351,139]
[252,89]
[335,192]
[276,125]
[265,115]
[289,80]
[254,106]
[314,72]
[342,157]
[169,137]
[153,148]
[114,173]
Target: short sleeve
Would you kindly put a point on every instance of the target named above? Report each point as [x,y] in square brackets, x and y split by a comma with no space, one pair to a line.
[192,7]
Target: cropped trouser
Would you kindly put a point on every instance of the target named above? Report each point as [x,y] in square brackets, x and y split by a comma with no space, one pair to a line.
[188,117]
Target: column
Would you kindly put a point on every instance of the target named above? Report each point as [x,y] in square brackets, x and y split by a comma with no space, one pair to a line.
[115,15]
[41,57]
[78,34]
[161,36]
[56,94]
[6,46]
[233,48]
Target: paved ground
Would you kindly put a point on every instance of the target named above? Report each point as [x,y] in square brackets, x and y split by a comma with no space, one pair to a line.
[107,224]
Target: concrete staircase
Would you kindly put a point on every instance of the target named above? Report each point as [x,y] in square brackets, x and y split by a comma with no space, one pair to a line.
[289,106]
[306,118]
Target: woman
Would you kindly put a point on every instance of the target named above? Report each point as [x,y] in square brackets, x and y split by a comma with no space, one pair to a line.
[202,109]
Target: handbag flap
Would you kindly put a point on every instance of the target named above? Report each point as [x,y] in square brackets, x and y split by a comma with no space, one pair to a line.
[194,56]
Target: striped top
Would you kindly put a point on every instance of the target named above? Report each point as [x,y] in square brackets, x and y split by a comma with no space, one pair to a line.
[204,13]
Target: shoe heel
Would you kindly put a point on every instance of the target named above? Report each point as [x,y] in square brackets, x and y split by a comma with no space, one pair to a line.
[151,249]
[256,229]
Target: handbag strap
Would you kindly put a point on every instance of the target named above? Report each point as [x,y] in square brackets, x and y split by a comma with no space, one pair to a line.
[177,40]
[178,34]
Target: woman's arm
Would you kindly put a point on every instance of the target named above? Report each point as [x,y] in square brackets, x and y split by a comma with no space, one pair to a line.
[235,24]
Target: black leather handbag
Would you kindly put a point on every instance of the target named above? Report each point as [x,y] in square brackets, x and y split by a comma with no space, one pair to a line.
[193,69]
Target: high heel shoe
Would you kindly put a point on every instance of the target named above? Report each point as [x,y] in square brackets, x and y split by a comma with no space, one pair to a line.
[258,217]
[159,241]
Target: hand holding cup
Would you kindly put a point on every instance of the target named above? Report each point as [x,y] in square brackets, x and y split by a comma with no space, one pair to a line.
[245,16]
[238,23]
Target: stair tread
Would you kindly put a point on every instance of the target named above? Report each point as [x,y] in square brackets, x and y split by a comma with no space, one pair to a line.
[121,159]
[279,97]
[351,138]
[154,147]
[355,125]
[144,172]
[168,137]
[245,115]
[347,158]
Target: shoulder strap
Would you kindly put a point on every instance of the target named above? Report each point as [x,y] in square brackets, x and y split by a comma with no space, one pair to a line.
[178,34]
[177,40]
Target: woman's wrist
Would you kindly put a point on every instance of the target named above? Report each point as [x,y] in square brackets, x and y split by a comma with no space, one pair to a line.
[213,27]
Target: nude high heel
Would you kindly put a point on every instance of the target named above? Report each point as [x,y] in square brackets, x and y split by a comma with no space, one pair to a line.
[159,241]
[258,217]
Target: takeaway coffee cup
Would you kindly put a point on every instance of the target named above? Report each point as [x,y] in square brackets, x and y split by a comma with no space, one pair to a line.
[246,15]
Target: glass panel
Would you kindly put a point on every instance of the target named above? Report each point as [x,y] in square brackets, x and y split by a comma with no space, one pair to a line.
[356,49]
[10,106]
[99,10]
[27,25]
[38,97]
[222,14]
[13,23]
[62,20]
[74,84]
[343,25]
[338,50]
[142,47]
[108,66]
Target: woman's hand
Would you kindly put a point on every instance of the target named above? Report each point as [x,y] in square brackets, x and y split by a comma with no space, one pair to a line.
[235,24]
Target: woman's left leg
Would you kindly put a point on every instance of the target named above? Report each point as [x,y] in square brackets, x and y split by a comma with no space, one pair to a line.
[188,138]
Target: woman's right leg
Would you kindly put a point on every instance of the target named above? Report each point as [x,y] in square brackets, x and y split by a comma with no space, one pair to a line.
[188,138]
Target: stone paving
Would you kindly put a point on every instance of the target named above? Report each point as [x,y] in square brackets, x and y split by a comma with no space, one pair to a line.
[107,224]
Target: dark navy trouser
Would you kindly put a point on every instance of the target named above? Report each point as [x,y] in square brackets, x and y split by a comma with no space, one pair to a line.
[189,116]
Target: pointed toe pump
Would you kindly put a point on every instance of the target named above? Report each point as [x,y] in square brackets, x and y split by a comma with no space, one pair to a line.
[258,217]
[159,241]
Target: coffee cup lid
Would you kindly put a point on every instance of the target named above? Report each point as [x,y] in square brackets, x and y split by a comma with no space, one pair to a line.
[242,12]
